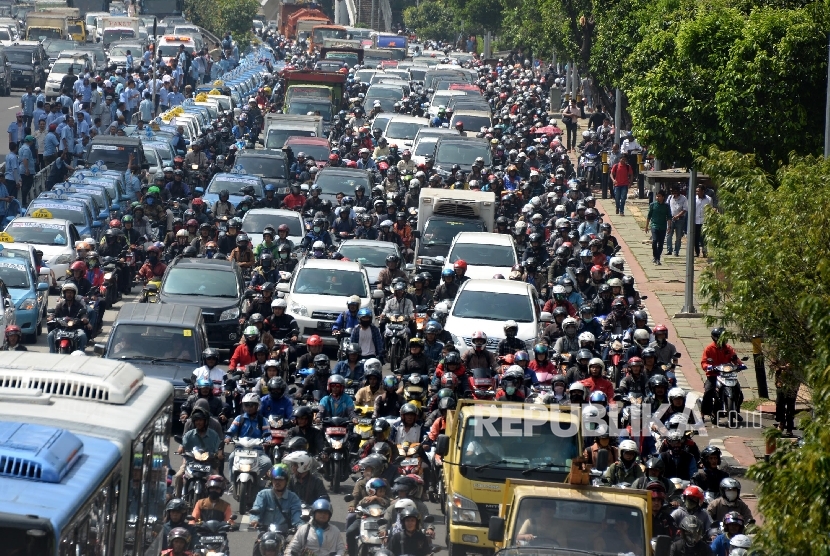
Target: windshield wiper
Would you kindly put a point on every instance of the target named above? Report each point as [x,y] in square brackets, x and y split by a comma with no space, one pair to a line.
[540,466]
[170,359]
[491,464]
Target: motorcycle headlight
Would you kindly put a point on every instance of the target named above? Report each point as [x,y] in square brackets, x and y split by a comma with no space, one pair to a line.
[229,314]
[298,309]
[27,304]
[63,259]
[245,467]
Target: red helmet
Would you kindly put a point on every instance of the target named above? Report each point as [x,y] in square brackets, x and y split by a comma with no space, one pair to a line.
[78,265]
[197,202]
[334,158]
[283,228]
[635,361]
[115,223]
[351,164]
[192,222]
[383,166]
[178,160]
[314,340]
[460,264]
[153,249]
[694,492]
[13,329]
[660,329]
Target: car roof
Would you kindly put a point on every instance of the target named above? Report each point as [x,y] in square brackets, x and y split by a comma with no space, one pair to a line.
[160,313]
[484,238]
[369,243]
[212,264]
[343,171]
[497,286]
[298,140]
[330,264]
[246,177]
[116,140]
[468,112]
[275,153]
[410,120]
[275,212]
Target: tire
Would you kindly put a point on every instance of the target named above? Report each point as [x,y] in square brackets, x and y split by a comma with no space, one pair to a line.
[244,496]
[335,476]
[39,329]
[732,414]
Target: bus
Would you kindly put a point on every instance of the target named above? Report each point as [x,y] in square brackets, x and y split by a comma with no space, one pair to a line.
[322,32]
[83,456]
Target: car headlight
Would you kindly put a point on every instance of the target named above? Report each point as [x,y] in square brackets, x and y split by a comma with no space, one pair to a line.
[464,510]
[27,304]
[179,392]
[63,259]
[456,340]
[298,309]
[229,314]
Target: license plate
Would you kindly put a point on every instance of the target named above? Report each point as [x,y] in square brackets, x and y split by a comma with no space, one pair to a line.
[211,540]
[247,453]
[410,462]
[200,467]
[278,433]
[349,391]
[371,525]
[324,325]
[728,376]
[336,431]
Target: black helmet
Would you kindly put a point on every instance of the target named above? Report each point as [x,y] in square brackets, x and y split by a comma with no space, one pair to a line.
[275,385]
[717,333]
[381,425]
[321,362]
[261,348]
[404,484]
[409,511]
[176,505]
[210,352]
[392,259]
[655,463]
[446,403]
[383,449]
[299,443]
[354,348]
[584,354]
[304,411]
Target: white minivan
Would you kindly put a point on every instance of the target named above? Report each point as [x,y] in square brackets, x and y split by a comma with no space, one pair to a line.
[486,254]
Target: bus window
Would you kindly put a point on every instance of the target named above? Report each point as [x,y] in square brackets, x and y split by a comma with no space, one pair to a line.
[92,530]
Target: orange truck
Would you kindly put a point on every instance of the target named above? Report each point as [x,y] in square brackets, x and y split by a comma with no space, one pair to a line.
[297,20]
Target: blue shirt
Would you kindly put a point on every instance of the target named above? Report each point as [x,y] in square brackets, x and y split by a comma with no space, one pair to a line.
[246,427]
[343,407]
[4,192]
[209,443]
[12,168]
[25,153]
[347,319]
[16,131]
[268,512]
[37,115]
[27,103]
[67,137]
[282,407]
[342,368]
[132,184]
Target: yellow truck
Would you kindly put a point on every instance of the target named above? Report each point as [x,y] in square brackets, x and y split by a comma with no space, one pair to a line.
[485,445]
[535,516]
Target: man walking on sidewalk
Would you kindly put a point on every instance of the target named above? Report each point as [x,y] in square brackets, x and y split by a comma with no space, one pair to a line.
[621,176]
[659,215]
[679,211]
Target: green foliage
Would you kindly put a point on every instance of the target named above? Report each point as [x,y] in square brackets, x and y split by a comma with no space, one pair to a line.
[218,16]
[433,20]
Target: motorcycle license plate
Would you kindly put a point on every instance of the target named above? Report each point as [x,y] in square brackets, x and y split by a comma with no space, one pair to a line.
[278,433]
[349,391]
[211,540]
[371,525]
[324,325]
[336,431]
[247,453]
[729,376]
[200,467]
[410,462]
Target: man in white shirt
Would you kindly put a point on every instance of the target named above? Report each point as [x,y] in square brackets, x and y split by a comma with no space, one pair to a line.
[701,201]
[679,211]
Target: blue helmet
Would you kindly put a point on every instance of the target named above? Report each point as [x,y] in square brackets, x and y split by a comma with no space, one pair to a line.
[390,381]
[364,312]
[433,327]
[270,187]
[521,356]
[321,505]
[447,272]
[279,471]
[203,383]
[540,349]
[598,397]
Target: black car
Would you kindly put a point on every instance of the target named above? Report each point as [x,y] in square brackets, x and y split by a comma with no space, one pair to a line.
[334,180]
[114,151]
[271,166]
[216,287]
[163,340]
[28,64]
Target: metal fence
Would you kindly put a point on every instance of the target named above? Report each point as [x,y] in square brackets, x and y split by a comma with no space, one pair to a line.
[39,185]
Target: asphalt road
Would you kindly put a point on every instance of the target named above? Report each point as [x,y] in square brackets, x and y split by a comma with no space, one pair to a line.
[241,542]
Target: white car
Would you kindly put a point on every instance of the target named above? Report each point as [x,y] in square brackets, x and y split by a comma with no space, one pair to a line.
[54,236]
[487,304]
[60,68]
[486,254]
[255,220]
[318,292]
[401,130]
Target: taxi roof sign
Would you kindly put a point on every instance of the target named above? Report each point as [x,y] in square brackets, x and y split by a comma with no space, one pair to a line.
[39,213]
[175,38]
[6,238]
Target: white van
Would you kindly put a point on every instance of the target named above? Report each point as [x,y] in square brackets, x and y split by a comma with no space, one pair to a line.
[485,253]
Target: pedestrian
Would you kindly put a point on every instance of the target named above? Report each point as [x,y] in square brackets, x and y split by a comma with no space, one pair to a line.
[60,171]
[28,102]
[701,202]
[659,215]
[12,170]
[40,141]
[27,160]
[679,217]
[51,145]
[786,389]
[570,116]
[16,128]
[621,177]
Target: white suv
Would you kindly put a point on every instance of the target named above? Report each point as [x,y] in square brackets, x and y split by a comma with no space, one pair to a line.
[319,290]
[80,66]
[486,254]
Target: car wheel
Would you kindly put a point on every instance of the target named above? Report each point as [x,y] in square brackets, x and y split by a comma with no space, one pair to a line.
[30,338]
[39,330]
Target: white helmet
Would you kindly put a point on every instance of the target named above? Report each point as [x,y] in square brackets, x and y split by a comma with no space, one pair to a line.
[640,334]
[569,321]
[628,446]
[404,503]
[441,310]
[617,264]
[251,398]
[559,289]
[596,361]
[78,353]
[740,541]
[511,324]
[677,392]
[537,216]
[587,337]
[386,224]
[302,459]
[373,364]
[280,302]
[318,245]
[414,183]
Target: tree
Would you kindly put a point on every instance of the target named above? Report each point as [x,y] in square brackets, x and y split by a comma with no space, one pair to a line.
[770,276]
[219,16]
[433,20]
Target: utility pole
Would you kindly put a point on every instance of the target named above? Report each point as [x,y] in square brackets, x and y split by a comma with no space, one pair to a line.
[689,310]
[617,117]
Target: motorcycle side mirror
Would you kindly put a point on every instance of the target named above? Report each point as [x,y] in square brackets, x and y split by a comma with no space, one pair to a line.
[602,460]
[177,438]
[745,358]
[249,294]
[428,519]
[187,380]
[378,294]
[348,498]
[416,234]
[618,397]
[409,267]
[643,297]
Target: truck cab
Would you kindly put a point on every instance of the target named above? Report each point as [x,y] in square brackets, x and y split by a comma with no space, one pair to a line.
[535,516]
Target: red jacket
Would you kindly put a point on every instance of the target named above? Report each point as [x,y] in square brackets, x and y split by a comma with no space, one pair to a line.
[148,272]
[600,385]
[550,305]
[719,355]
[241,356]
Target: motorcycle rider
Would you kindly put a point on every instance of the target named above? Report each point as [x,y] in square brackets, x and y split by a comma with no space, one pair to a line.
[70,306]
[13,335]
[691,541]
[677,461]
[244,355]
[569,342]
[178,540]
[596,382]
[510,344]
[270,200]
[210,369]
[223,207]
[371,376]
[283,327]
[627,469]
[314,345]
[317,381]
[376,493]
[314,437]
[79,278]
[733,526]
[277,505]
[304,482]
[416,362]
[153,268]
[710,476]
[336,404]
[199,437]
[326,542]
[448,288]
[654,473]
[717,353]
[729,501]
[348,318]
[479,357]
[351,367]
[389,402]
[227,241]
[635,381]
[250,424]
[243,256]
[693,499]
[410,540]
[212,507]
[276,404]
[391,271]
[511,389]
[175,519]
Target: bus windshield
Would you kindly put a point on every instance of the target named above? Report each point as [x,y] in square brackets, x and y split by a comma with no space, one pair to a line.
[25,539]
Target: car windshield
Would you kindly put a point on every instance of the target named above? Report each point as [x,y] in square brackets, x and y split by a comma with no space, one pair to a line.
[35,232]
[233,185]
[74,214]
[483,255]
[55,47]
[111,35]
[4,35]
[403,130]
[263,166]
[276,137]
[486,441]
[62,67]
[387,92]
[14,276]
[317,107]
[173,49]
[471,123]
[593,527]
[121,50]
[442,232]
[164,150]
[332,183]
[425,146]
[201,282]
[493,306]
[315,151]
[136,341]
[335,282]
[372,257]
[151,157]
[257,221]
[19,57]
[114,156]
[75,29]
[461,152]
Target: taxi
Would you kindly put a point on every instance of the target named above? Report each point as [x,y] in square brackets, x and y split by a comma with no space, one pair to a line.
[234,182]
[54,237]
[76,211]
[29,296]
[168,46]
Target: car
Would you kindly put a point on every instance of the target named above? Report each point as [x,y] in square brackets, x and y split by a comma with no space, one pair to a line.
[440,98]
[335,180]
[118,54]
[486,254]
[54,237]
[215,286]
[234,184]
[271,167]
[460,150]
[425,141]
[76,211]
[28,63]
[96,53]
[371,254]
[472,120]
[318,292]
[141,329]
[387,95]
[28,296]
[401,130]
[80,65]
[5,74]
[114,152]
[255,220]
[54,47]
[317,148]
[486,304]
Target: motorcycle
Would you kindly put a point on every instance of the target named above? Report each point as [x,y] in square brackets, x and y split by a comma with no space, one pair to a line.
[395,338]
[482,384]
[728,393]
[197,469]
[150,291]
[372,527]
[109,289]
[272,528]
[279,434]
[411,464]
[345,341]
[415,389]
[67,332]
[616,360]
[589,163]
[245,473]
[421,317]
[336,431]
[212,536]
[363,428]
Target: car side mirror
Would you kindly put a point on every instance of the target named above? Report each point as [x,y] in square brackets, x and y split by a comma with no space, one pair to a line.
[495,529]
[283,287]
[378,294]
[99,349]
[442,445]
[41,287]
[546,317]
[145,165]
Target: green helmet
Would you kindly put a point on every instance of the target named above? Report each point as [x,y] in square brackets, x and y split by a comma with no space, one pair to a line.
[126,219]
[153,190]
[251,331]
